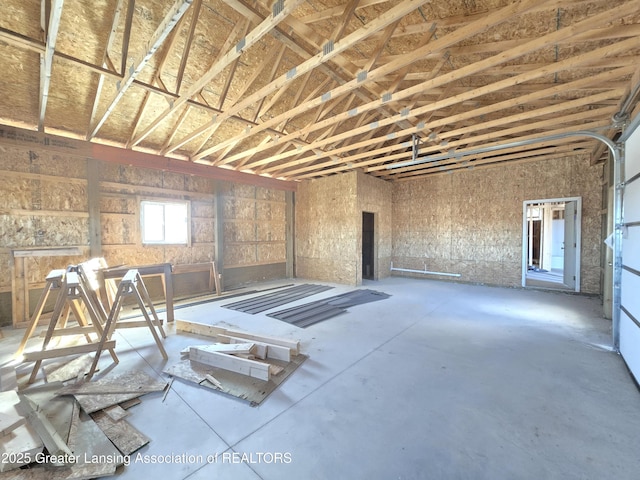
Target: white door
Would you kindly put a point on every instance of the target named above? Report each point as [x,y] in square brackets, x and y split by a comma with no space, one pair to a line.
[570,244]
[630,282]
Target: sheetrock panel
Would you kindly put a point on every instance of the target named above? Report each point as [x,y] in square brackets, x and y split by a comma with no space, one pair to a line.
[631,248]
[632,155]
[629,341]
[631,205]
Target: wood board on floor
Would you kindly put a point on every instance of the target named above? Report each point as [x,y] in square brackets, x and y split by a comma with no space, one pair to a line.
[93,403]
[131,382]
[122,434]
[68,370]
[240,386]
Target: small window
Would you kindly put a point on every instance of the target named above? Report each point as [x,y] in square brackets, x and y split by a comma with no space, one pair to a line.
[164,222]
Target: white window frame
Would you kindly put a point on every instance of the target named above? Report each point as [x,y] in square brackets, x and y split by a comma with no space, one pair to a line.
[163,201]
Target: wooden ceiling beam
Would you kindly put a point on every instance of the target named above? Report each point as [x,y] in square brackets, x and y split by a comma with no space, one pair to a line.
[597,34]
[175,13]
[105,56]
[126,37]
[157,77]
[345,18]
[46,59]
[281,10]
[232,71]
[330,51]
[195,15]
[386,36]
[460,155]
[523,116]
[15,39]
[437,45]
[551,153]
[549,69]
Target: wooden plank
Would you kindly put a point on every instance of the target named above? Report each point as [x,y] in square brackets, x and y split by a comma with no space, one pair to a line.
[93,200]
[10,418]
[116,413]
[227,348]
[68,370]
[19,303]
[47,58]
[88,441]
[94,403]
[131,382]
[48,252]
[58,410]
[219,223]
[23,440]
[290,234]
[64,351]
[243,366]
[52,440]
[199,328]
[294,345]
[122,434]
[266,350]
[130,403]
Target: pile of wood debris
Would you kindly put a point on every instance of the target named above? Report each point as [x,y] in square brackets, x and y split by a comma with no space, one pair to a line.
[56,431]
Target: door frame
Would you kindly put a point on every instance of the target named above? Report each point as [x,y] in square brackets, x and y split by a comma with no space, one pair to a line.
[525,204]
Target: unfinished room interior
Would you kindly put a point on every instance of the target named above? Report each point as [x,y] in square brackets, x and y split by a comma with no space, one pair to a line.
[319,239]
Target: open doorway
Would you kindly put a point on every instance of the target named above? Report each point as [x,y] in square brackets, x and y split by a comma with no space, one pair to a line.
[551,243]
[368,244]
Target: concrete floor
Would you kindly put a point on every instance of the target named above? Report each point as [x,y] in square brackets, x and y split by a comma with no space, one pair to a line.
[440,381]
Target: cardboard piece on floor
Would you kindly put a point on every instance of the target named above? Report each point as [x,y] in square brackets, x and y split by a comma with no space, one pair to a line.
[132,382]
[68,370]
[240,386]
[122,434]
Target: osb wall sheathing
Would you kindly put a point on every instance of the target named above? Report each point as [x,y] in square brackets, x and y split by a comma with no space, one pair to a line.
[327,226]
[123,188]
[45,204]
[254,225]
[374,196]
[471,223]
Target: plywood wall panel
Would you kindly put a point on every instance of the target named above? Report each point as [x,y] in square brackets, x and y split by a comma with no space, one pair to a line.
[471,222]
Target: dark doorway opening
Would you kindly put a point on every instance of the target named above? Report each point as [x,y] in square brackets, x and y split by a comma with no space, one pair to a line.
[368,253]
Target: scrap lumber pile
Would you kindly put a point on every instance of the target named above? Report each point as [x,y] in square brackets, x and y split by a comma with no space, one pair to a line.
[243,364]
[56,431]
